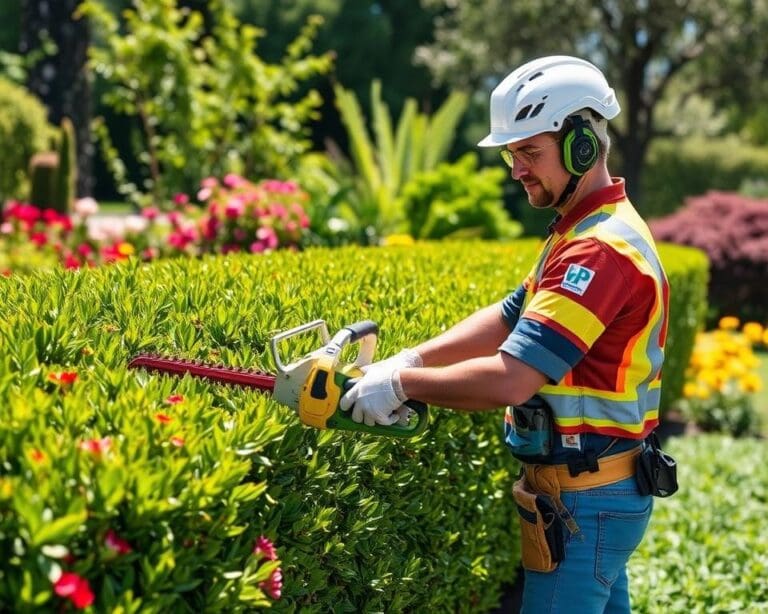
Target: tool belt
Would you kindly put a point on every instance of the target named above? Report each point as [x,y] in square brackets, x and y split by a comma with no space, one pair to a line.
[544,518]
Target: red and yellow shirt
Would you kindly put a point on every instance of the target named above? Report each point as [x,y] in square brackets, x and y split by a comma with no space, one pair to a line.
[592,316]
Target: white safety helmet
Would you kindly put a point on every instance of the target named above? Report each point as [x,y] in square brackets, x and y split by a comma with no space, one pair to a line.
[538,96]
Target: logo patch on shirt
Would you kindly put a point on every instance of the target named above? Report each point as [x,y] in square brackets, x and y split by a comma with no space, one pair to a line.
[577,279]
[571,441]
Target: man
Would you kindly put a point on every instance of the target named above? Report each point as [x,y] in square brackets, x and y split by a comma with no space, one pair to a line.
[575,351]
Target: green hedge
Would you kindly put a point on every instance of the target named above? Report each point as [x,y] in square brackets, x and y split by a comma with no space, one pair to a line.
[705,550]
[24,131]
[360,523]
[676,169]
[688,273]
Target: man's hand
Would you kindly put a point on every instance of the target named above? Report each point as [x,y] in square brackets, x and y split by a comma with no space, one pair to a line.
[402,360]
[377,398]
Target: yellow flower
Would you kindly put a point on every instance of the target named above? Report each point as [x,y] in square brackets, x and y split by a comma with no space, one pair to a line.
[728,323]
[690,390]
[751,382]
[702,392]
[753,331]
[401,240]
[125,249]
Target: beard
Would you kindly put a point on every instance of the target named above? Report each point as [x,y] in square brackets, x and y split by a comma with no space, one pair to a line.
[539,197]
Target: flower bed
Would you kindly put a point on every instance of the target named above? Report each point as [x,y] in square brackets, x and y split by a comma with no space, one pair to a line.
[232,215]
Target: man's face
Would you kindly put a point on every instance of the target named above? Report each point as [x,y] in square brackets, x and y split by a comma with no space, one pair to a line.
[537,165]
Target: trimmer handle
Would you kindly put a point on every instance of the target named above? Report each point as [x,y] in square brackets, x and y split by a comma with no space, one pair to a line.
[417,423]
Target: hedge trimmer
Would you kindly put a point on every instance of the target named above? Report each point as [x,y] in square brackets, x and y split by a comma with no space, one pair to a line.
[312,386]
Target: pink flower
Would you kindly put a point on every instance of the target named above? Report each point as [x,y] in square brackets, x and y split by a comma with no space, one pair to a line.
[97,447]
[209,182]
[75,588]
[232,181]
[234,207]
[38,238]
[113,542]
[174,399]
[177,441]
[268,236]
[180,199]
[150,212]
[71,262]
[86,206]
[204,194]
[273,585]
[265,549]
[257,247]
[84,249]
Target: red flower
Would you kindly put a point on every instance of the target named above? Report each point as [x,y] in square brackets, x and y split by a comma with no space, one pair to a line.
[265,549]
[63,378]
[37,455]
[163,418]
[96,446]
[274,584]
[117,544]
[75,588]
[174,399]
[71,262]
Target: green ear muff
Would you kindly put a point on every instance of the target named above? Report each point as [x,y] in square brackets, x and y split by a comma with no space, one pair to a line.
[580,146]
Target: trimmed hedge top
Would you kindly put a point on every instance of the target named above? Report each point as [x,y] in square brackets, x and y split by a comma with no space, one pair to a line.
[189,474]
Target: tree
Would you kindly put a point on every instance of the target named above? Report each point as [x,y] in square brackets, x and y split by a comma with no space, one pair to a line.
[641,46]
[61,80]
[371,39]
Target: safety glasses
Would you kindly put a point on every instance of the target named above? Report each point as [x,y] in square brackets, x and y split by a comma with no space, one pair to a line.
[528,156]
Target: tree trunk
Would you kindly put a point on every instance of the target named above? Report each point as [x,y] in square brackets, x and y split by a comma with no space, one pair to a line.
[62,80]
[633,159]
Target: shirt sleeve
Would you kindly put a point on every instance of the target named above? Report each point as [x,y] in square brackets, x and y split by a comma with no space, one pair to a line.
[512,305]
[582,289]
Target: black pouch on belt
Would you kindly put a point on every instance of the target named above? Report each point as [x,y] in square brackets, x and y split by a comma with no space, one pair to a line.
[532,434]
[656,470]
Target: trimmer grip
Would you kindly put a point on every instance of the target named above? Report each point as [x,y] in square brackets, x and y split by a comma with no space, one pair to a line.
[362,329]
[416,425]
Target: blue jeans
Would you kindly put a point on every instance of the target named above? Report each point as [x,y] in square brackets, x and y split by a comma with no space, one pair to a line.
[593,576]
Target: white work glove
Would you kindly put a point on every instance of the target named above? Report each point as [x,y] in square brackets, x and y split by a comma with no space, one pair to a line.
[402,360]
[377,398]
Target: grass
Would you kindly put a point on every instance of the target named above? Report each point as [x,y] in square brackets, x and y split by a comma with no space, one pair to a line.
[115,207]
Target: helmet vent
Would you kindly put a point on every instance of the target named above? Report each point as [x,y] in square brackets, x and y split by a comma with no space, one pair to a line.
[523,113]
[536,76]
[537,109]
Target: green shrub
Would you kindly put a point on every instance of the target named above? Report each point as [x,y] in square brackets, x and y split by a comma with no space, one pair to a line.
[360,523]
[688,272]
[704,548]
[24,130]
[676,169]
[457,199]
[207,103]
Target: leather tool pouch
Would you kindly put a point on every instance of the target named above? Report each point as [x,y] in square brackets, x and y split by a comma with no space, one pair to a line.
[656,470]
[541,529]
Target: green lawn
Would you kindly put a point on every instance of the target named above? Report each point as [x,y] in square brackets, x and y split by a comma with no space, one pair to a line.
[115,207]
